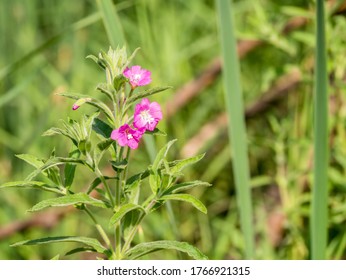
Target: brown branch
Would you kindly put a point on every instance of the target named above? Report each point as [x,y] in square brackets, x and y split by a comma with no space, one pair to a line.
[279,90]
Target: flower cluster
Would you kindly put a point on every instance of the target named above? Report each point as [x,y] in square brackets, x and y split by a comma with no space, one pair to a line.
[146,115]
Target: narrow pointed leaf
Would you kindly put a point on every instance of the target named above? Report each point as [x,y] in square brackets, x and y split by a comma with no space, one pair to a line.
[235,113]
[96,182]
[146,93]
[123,211]
[32,160]
[111,22]
[319,204]
[58,131]
[186,198]
[149,247]
[185,186]
[181,164]
[55,162]
[79,250]
[70,169]
[94,243]
[161,155]
[31,185]
[73,199]
[101,128]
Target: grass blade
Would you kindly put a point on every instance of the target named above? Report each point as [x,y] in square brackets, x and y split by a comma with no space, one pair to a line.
[319,210]
[112,23]
[236,121]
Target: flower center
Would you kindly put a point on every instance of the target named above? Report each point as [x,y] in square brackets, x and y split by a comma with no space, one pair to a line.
[129,136]
[147,118]
[136,77]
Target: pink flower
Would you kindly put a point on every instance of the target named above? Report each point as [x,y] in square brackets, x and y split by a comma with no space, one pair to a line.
[137,76]
[80,102]
[75,107]
[147,115]
[126,136]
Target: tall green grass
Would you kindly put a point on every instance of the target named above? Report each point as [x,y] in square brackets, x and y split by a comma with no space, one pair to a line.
[319,212]
[112,23]
[236,122]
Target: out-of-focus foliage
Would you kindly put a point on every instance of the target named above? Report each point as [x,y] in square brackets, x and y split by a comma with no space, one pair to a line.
[43,50]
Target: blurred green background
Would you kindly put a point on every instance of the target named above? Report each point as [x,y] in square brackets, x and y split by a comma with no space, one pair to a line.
[43,48]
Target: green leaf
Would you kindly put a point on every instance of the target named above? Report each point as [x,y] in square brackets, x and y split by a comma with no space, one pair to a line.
[155,174]
[156,131]
[102,128]
[186,198]
[92,242]
[79,250]
[181,164]
[123,211]
[70,169]
[119,81]
[97,61]
[236,122]
[145,93]
[55,162]
[161,155]
[73,199]
[119,165]
[58,131]
[31,185]
[103,145]
[104,88]
[55,258]
[149,247]
[96,182]
[111,22]
[32,160]
[185,186]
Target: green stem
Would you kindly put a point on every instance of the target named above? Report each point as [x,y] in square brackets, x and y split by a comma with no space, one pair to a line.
[100,229]
[117,230]
[135,228]
[105,184]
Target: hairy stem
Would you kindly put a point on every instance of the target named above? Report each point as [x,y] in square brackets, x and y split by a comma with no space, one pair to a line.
[100,229]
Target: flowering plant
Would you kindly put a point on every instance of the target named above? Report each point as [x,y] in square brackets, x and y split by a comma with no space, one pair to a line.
[119,130]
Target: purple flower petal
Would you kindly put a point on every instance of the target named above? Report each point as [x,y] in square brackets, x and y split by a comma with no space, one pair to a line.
[137,76]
